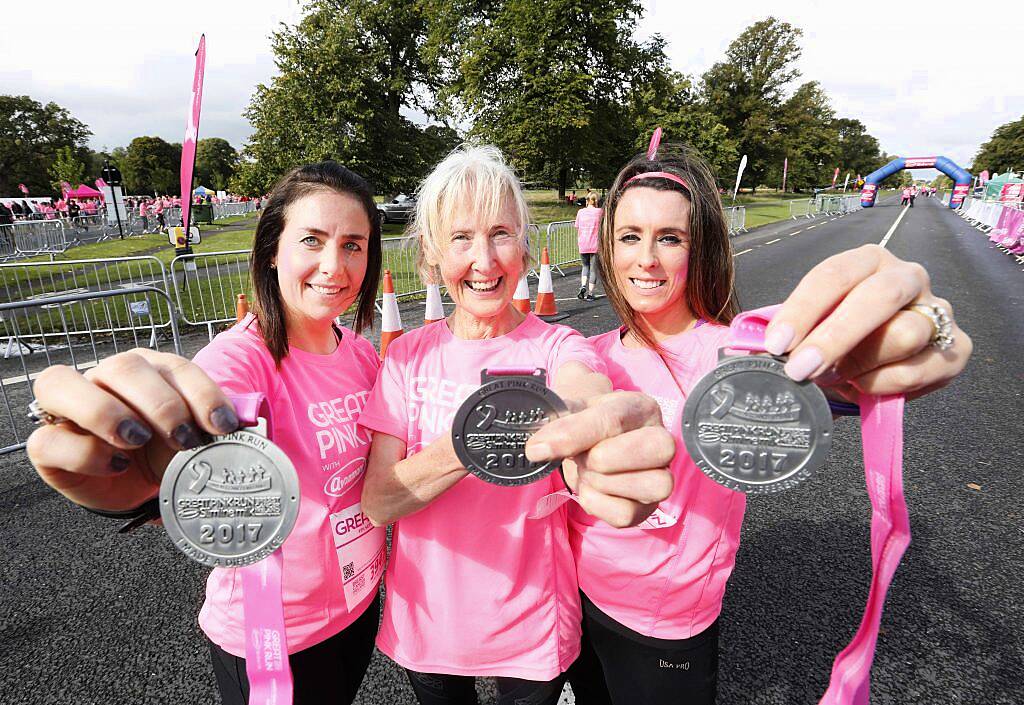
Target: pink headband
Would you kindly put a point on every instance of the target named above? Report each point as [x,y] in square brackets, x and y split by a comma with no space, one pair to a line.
[652,151]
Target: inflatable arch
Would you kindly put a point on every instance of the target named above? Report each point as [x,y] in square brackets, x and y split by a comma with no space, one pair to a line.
[947,166]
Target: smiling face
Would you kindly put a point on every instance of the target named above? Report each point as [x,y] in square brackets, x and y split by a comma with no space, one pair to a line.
[482,260]
[651,254]
[321,257]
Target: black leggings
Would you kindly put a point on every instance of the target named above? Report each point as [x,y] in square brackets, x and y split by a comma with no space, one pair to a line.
[619,666]
[444,689]
[328,672]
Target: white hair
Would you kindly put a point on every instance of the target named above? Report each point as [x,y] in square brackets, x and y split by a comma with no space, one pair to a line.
[474,178]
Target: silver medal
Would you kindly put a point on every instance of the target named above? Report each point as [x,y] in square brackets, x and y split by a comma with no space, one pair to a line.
[230,503]
[491,428]
[750,427]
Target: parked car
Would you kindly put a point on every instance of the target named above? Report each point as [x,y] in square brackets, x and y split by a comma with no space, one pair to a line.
[399,210]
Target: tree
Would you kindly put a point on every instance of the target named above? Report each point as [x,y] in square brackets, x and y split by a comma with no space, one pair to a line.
[215,162]
[151,165]
[30,136]
[806,135]
[858,151]
[545,80]
[670,101]
[746,91]
[66,168]
[346,72]
[1004,151]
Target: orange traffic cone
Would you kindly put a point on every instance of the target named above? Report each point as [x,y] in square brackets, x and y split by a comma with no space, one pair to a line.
[435,311]
[241,308]
[545,305]
[391,323]
[521,299]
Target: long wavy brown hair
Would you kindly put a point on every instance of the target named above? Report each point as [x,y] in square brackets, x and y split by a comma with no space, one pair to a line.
[710,293]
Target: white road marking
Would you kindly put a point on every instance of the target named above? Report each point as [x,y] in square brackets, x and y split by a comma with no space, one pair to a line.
[771,241]
[742,252]
[893,228]
[811,227]
[796,231]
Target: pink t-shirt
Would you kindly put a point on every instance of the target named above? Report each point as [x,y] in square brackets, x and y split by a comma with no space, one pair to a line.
[333,559]
[665,583]
[474,587]
[588,222]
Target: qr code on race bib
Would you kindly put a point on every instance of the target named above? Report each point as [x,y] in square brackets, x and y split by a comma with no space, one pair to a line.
[348,570]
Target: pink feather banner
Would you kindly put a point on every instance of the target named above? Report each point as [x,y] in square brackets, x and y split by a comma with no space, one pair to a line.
[188,146]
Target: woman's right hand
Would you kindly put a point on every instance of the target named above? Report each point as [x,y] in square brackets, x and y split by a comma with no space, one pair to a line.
[125,420]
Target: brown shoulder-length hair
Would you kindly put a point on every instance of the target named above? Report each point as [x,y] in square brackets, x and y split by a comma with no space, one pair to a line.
[299,182]
[709,282]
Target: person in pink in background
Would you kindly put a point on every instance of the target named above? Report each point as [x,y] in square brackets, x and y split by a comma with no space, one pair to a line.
[158,211]
[48,210]
[475,587]
[144,213]
[588,222]
[316,253]
[652,596]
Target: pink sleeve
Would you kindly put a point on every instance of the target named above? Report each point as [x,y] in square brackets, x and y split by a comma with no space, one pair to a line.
[386,409]
[234,365]
[578,214]
[573,347]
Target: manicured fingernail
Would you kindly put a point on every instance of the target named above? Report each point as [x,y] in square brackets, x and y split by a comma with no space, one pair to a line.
[538,452]
[801,365]
[187,436]
[778,338]
[224,419]
[133,433]
[119,462]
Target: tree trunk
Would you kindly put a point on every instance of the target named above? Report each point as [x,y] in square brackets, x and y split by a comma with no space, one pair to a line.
[563,181]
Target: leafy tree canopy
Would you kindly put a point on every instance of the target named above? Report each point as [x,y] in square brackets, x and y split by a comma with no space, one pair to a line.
[31,134]
[1004,151]
[215,163]
[151,166]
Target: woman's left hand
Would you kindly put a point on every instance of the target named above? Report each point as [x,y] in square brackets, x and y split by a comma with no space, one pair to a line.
[616,455]
[848,326]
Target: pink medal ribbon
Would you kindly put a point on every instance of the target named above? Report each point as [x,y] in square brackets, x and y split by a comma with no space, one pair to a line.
[881,428]
[266,646]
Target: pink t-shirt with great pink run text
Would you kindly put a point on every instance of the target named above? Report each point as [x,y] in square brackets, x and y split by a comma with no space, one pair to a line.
[334,558]
[668,582]
[473,586]
[588,222]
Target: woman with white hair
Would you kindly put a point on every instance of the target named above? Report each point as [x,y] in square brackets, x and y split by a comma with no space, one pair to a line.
[475,586]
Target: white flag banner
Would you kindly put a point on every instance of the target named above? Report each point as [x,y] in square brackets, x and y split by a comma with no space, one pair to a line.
[739,176]
[846,183]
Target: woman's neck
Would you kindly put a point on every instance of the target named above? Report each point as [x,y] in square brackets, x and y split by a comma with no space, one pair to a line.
[664,325]
[315,337]
[469,327]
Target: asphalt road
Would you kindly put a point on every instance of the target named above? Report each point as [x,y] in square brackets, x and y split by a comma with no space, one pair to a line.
[87,616]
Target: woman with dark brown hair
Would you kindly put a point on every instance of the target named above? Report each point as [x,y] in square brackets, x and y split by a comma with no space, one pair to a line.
[652,594]
[316,253]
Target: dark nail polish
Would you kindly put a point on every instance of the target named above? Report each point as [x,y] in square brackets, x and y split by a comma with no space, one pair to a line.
[133,433]
[187,436]
[225,419]
[119,462]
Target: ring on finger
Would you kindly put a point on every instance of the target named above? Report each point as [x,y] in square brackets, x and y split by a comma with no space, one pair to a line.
[42,417]
[942,324]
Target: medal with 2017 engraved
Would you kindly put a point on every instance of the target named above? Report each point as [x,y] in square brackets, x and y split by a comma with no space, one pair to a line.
[491,428]
[232,502]
[751,428]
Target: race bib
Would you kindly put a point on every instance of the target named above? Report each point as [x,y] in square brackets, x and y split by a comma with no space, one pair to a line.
[362,553]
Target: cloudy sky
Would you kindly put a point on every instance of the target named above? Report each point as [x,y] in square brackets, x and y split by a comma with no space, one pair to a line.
[926,78]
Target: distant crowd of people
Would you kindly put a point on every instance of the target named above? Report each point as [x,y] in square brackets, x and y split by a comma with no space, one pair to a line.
[912,192]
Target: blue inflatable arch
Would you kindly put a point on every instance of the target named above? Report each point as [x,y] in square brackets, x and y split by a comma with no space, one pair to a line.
[947,166]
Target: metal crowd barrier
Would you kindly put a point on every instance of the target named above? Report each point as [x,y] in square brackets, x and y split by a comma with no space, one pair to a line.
[28,349]
[28,238]
[41,281]
[206,286]
[736,219]
[801,208]
[563,245]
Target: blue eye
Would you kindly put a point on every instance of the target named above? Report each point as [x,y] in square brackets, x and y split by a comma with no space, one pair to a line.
[671,239]
[353,246]
[310,241]
[628,237]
